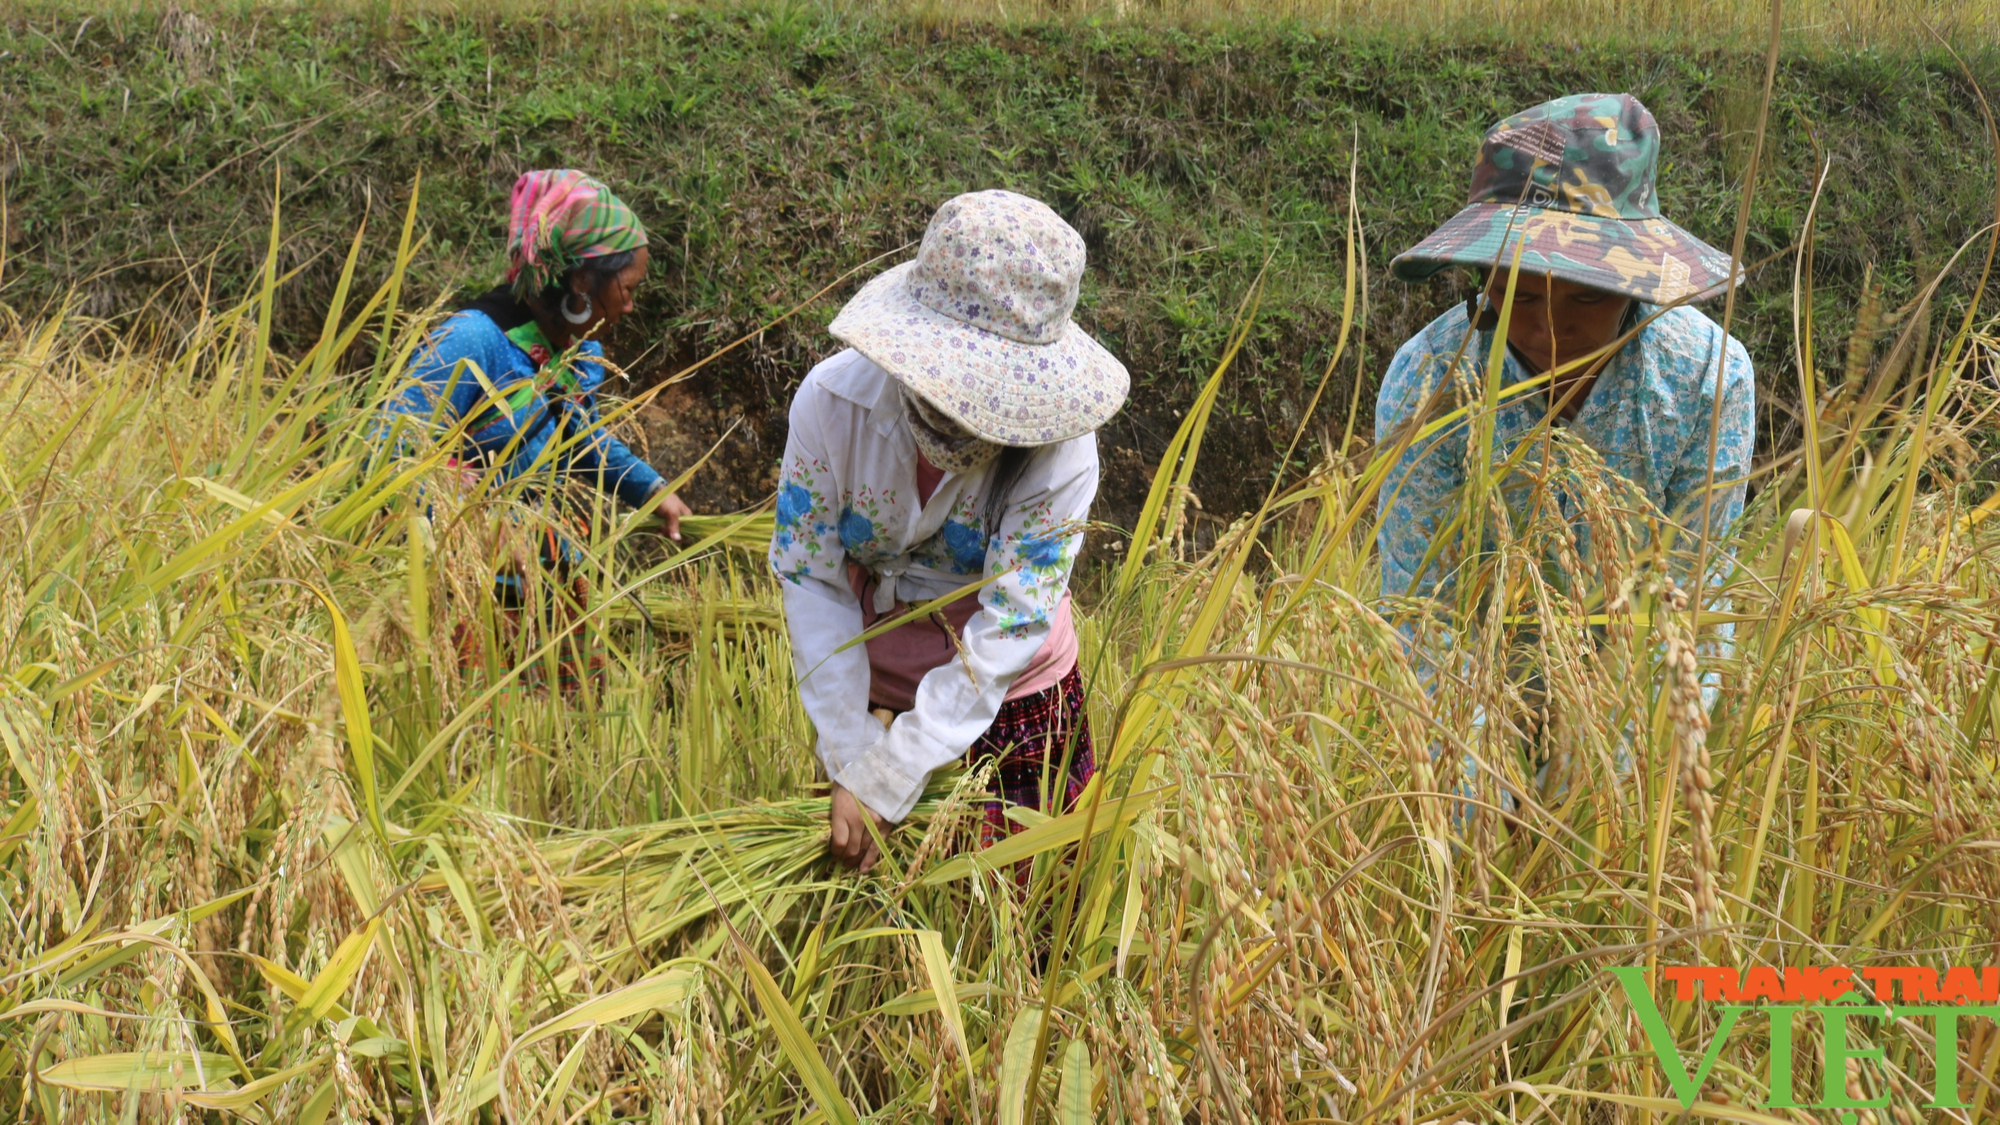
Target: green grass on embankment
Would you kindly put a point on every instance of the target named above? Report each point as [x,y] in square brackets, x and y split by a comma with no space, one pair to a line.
[771,149]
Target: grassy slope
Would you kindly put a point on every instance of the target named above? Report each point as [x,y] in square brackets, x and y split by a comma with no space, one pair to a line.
[770,150]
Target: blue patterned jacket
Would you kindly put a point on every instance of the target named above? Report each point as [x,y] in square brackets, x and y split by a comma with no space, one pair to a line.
[1647,416]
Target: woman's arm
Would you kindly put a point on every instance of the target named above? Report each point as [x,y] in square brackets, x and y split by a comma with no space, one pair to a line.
[1424,480]
[1735,420]
[821,611]
[598,455]
[1029,561]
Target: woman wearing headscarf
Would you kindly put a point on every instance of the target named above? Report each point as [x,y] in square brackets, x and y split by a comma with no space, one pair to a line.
[952,442]
[1569,186]
[517,370]
[515,374]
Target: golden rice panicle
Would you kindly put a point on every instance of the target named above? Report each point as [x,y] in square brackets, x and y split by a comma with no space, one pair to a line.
[1690,728]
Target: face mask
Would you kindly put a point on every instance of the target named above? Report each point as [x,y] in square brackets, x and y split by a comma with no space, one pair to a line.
[943,442]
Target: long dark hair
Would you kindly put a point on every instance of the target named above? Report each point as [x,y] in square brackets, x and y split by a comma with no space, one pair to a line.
[510,310]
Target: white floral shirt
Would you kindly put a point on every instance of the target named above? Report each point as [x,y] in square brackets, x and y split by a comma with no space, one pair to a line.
[848,491]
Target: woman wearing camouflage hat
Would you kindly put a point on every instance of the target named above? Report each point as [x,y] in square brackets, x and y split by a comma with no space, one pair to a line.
[952,442]
[1570,185]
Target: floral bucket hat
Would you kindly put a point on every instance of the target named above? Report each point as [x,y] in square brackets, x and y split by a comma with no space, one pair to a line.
[979,324]
[1573,179]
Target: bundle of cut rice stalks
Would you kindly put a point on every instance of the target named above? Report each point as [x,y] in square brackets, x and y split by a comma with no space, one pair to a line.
[631,895]
[686,614]
[744,531]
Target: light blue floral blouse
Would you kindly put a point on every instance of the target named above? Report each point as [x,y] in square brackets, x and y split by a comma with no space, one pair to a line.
[1647,416]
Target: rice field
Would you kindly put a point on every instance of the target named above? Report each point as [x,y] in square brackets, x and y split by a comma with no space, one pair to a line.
[295,830]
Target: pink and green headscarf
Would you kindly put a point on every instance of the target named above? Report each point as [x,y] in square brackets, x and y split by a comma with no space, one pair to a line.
[559,218]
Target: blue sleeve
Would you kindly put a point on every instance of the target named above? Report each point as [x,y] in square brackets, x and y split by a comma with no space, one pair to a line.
[1735,440]
[440,387]
[599,455]
[1417,493]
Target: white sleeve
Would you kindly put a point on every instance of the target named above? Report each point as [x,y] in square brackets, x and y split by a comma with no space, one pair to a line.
[821,611]
[1031,554]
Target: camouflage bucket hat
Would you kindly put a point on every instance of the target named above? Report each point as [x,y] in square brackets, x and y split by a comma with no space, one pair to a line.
[1573,179]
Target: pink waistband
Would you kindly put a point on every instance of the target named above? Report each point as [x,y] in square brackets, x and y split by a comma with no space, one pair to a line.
[899,659]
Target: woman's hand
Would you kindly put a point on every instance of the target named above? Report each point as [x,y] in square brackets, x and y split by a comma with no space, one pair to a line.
[671,509]
[852,844]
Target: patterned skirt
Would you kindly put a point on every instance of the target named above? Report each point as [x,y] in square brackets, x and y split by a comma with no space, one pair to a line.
[1029,739]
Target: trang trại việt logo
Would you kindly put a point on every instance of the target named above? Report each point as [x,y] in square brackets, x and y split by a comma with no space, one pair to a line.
[1834,994]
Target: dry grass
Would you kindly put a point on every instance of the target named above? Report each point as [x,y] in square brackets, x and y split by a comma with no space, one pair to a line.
[271,852]
[1709,22]
[1805,23]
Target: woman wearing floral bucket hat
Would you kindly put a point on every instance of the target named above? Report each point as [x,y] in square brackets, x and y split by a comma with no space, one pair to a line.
[1569,184]
[952,443]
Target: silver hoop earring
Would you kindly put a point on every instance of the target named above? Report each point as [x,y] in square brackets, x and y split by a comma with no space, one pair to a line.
[576,317]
